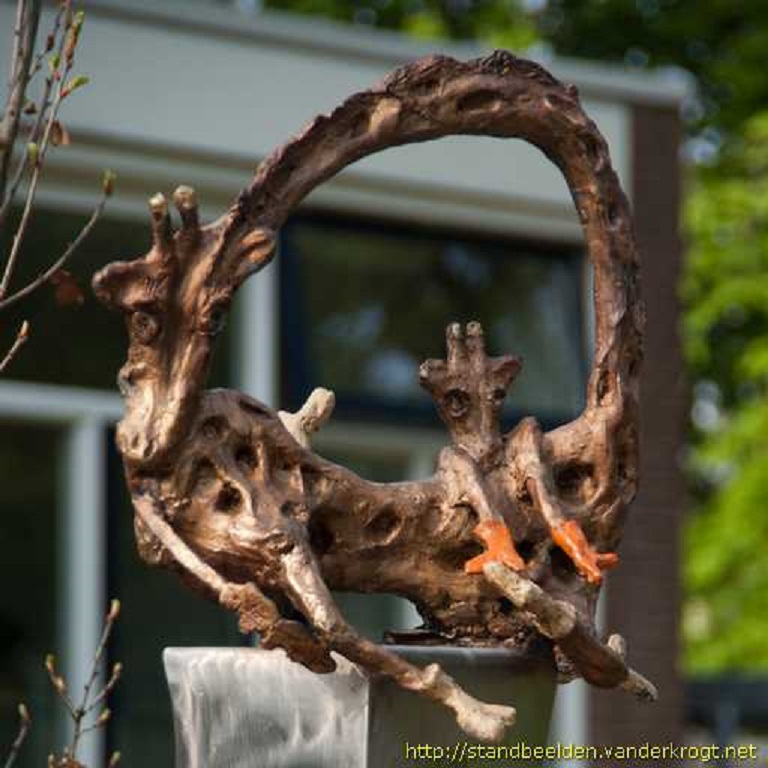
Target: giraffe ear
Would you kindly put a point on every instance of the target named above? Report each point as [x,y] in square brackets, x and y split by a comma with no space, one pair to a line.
[430,373]
[508,367]
[115,283]
[254,250]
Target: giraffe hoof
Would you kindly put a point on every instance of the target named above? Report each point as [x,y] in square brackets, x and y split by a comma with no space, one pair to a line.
[487,722]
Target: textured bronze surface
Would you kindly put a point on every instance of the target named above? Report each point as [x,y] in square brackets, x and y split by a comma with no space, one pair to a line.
[228,493]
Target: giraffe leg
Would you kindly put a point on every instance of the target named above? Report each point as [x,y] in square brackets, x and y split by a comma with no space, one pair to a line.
[566,533]
[466,484]
[310,595]
[255,611]
[569,536]
[499,547]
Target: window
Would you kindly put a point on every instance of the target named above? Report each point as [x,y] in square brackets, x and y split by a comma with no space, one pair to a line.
[30,534]
[83,344]
[363,305]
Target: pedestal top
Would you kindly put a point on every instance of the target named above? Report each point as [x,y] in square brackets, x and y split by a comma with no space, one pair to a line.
[246,707]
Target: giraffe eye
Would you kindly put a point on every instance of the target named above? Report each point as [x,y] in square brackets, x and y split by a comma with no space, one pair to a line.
[499,394]
[144,326]
[215,320]
[456,403]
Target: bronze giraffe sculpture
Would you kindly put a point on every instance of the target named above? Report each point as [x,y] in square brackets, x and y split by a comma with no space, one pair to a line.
[228,493]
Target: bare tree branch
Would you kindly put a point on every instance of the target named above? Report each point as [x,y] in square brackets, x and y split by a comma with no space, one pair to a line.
[45,276]
[114,679]
[21,339]
[60,45]
[24,35]
[25,723]
[42,112]
[84,705]
[78,713]
[37,160]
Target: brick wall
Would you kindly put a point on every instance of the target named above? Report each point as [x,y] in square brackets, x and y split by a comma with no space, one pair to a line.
[643,600]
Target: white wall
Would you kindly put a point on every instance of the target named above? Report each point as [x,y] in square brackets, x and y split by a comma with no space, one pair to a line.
[196,93]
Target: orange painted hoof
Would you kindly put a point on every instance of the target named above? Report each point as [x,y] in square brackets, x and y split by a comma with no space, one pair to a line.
[607,561]
[499,547]
[590,564]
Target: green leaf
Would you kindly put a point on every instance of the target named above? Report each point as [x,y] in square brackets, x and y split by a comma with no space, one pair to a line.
[108,182]
[76,82]
[33,153]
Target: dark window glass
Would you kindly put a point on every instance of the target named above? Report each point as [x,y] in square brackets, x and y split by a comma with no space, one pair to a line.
[78,345]
[28,567]
[363,306]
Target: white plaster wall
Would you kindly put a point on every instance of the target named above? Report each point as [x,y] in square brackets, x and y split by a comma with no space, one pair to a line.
[197,89]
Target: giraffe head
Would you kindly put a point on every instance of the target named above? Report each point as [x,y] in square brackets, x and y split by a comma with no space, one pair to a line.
[175,300]
[469,389]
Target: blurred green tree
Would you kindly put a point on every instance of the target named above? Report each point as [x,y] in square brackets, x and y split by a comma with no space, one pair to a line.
[499,22]
[722,44]
[726,333]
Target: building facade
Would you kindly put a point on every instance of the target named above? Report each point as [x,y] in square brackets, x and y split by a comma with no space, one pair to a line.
[371,269]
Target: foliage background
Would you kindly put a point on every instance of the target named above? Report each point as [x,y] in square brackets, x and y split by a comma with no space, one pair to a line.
[722,43]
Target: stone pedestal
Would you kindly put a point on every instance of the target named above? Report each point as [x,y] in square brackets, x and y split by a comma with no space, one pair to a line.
[248,708]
